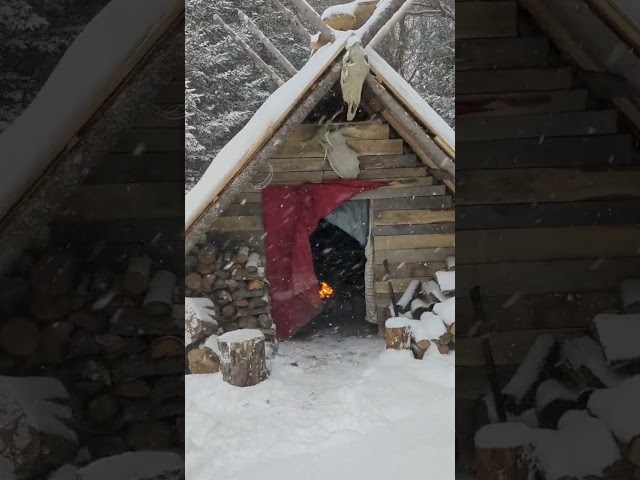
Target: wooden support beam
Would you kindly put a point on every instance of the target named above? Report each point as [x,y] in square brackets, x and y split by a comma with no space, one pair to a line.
[307,12]
[386,29]
[255,58]
[271,48]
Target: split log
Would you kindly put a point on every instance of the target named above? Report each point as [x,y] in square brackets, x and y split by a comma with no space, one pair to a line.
[136,278]
[90,321]
[114,346]
[420,348]
[132,321]
[265,321]
[53,274]
[203,360]
[255,58]
[243,357]
[54,340]
[167,388]
[138,388]
[241,302]
[190,263]
[398,333]
[82,344]
[252,263]
[208,282]
[168,346]
[519,393]
[261,302]
[205,268]
[418,307]
[159,298]
[255,285]
[19,337]
[193,281]
[271,48]
[245,274]
[248,322]
[224,297]
[96,371]
[208,254]
[504,450]
[407,297]
[139,366]
[583,360]
[243,255]
[223,274]
[553,400]
[248,293]
[103,408]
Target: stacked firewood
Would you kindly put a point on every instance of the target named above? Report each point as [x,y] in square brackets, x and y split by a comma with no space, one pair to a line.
[114,340]
[233,278]
[567,397]
[430,308]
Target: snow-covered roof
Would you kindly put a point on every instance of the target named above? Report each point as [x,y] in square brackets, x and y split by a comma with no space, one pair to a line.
[279,105]
[74,92]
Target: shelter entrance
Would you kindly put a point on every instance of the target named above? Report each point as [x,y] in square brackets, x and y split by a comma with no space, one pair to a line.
[339,260]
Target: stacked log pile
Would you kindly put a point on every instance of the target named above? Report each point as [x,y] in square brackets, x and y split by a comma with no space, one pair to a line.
[225,286]
[429,310]
[112,337]
[577,402]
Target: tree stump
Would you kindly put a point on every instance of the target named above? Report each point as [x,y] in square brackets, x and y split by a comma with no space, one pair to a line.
[242,358]
[503,450]
[398,333]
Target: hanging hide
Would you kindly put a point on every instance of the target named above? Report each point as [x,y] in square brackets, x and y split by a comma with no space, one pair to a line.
[355,68]
[343,160]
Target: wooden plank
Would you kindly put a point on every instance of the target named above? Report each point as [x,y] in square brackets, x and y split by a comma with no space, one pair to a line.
[243,209]
[604,150]
[484,246]
[541,125]
[249,197]
[126,201]
[498,53]
[399,193]
[534,215]
[515,80]
[559,276]
[253,238]
[359,130]
[414,241]
[151,140]
[362,147]
[383,173]
[509,348]
[408,270]
[402,217]
[413,229]
[130,230]
[486,19]
[288,177]
[237,224]
[309,164]
[438,254]
[520,103]
[529,312]
[147,167]
[440,202]
[368,162]
[545,185]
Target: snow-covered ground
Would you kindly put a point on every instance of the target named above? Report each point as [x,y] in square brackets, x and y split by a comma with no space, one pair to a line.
[334,407]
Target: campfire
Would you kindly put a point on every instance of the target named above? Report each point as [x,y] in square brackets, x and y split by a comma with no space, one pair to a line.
[325,290]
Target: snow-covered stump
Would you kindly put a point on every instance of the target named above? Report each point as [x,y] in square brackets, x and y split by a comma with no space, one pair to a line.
[504,450]
[398,333]
[242,360]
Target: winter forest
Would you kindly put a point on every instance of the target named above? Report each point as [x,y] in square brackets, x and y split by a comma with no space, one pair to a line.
[224,88]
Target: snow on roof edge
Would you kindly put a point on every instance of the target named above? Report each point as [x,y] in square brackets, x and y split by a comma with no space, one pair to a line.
[407,95]
[38,135]
[265,121]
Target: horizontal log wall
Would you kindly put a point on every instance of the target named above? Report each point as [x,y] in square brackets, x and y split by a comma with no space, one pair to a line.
[547,196]
[412,219]
[134,199]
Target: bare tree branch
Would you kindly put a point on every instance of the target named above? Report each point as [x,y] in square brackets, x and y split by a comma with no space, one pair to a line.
[254,56]
[271,48]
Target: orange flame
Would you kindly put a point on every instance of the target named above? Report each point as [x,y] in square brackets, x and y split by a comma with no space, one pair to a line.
[325,290]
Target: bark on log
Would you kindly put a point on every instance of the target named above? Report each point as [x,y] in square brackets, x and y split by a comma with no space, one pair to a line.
[398,334]
[138,388]
[307,12]
[136,278]
[243,255]
[504,450]
[243,357]
[252,263]
[168,346]
[132,321]
[193,281]
[159,298]
[208,254]
[271,48]
[103,408]
[255,58]
[289,15]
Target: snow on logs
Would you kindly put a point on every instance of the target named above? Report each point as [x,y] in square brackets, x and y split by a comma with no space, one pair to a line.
[349,16]
[242,357]
[430,313]
[505,448]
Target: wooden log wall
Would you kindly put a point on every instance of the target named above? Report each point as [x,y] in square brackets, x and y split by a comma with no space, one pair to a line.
[412,219]
[547,198]
[134,199]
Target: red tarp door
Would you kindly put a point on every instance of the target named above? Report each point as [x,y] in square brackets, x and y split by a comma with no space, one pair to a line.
[291,213]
